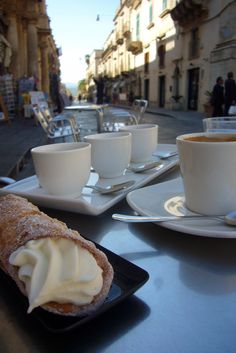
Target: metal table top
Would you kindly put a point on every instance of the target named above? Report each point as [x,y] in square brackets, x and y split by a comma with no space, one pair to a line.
[188,305]
[84,107]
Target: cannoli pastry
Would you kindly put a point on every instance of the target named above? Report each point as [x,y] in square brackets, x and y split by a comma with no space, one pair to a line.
[52,265]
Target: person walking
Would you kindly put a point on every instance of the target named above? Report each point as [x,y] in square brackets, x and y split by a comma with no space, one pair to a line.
[100,89]
[217,99]
[230,92]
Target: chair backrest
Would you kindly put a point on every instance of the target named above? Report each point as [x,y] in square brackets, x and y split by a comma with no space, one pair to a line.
[46,113]
[55,128]
[40,118]
[140,106]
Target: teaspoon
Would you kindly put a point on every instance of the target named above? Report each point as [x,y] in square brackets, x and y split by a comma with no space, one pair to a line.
[111,188]
[145,166]
[166,155]
[229,219]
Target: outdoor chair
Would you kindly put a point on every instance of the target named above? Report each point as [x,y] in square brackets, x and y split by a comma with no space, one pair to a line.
[56,128]
[139,108]
[114,118]
[61,119]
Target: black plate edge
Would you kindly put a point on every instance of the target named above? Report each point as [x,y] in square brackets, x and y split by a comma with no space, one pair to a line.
[120,279]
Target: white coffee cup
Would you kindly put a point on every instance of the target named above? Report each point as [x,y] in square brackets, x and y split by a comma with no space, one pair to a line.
[144,141]
[63,168]
[208,172]
[111,153]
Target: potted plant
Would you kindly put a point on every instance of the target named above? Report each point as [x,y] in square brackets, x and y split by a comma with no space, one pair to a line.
[177,102]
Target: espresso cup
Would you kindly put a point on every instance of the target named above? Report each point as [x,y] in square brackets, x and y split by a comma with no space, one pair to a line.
[111,153]
[144,141]
[62,169]
[207,165]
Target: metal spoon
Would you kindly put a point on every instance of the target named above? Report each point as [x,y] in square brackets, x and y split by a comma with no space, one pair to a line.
[229,219]
[165,155]
[7,180]
[111,188]
[145,166]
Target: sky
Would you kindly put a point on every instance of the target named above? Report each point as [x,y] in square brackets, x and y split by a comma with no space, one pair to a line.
[76,31]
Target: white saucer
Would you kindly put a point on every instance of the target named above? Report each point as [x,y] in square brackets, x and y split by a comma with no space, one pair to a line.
[167,199]
[90,202]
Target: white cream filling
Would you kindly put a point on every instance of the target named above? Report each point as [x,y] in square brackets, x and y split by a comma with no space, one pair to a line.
[57,270]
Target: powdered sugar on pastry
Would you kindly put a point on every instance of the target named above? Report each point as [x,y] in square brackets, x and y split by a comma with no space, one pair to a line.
[57,270]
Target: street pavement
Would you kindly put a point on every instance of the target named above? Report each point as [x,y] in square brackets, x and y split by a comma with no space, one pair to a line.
[20,135]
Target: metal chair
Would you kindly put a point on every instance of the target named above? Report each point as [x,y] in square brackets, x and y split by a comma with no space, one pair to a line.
[114,118]
[56,128]
[139,107]
[61,119]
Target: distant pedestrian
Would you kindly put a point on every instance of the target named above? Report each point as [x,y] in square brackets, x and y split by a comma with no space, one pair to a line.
[217,99]
[131,97]
[115,96]
[79,98]
[230,92]
[100,89]
[71,98]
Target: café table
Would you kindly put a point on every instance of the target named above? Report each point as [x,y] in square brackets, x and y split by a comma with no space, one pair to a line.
[187,306]
[98,109]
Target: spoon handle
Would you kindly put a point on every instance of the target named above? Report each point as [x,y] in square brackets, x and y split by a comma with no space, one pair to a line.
[140,219]
[148,166]
[167,155]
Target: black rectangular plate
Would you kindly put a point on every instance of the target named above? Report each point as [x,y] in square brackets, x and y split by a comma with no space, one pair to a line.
[128,278]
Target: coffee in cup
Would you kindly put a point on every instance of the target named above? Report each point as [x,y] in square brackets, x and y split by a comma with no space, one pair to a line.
[208,169]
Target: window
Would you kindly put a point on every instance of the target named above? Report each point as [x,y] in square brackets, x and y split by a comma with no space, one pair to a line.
[138,26]
[194,44]
[161,54]
[150,12]
[164,5]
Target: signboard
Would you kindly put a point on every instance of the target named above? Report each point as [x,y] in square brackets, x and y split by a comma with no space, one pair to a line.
[38,98]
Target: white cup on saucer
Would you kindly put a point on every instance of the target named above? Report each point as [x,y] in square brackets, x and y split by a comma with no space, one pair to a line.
[207,164]
[62,169]
[144,141]
[111,153]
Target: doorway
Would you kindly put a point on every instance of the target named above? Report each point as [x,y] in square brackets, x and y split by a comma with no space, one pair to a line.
[146,89]
[193,82]
[162,90]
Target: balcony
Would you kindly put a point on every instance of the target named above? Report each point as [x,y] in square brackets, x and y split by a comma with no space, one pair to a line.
[107,51]
[113,46]
[189,12]
[119,38]
[135,3]
[135,47]
[126,30]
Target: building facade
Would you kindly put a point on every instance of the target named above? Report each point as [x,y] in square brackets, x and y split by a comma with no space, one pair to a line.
[28,53]
[169,52]
[93,70]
